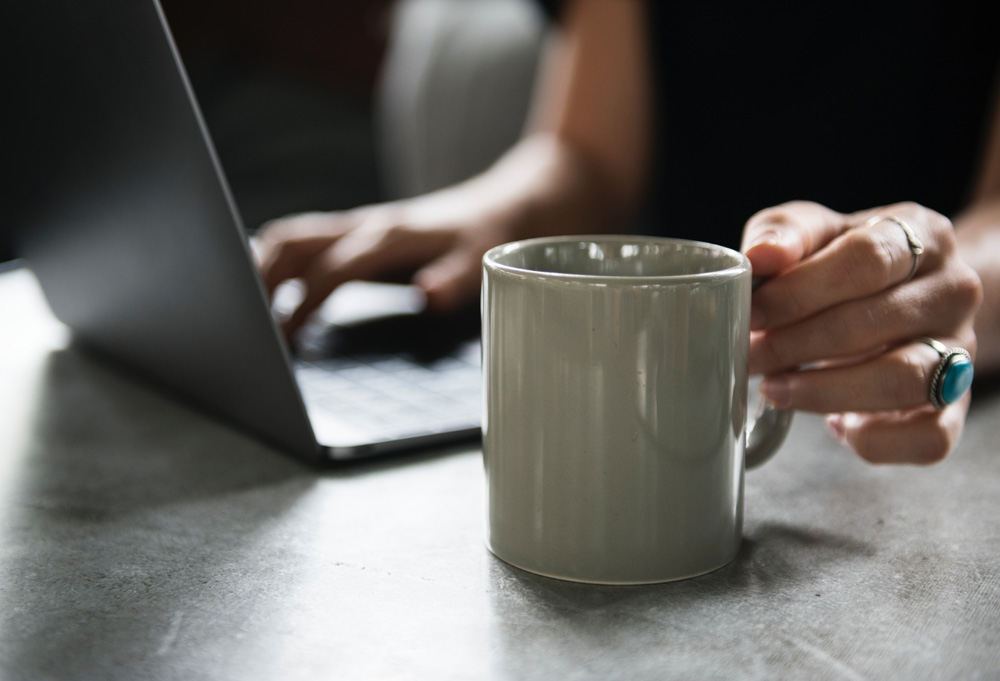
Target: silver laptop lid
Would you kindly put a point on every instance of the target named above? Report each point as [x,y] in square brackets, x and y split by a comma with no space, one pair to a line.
[131,229]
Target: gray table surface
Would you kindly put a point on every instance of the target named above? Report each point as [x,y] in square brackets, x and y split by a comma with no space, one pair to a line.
[142,540]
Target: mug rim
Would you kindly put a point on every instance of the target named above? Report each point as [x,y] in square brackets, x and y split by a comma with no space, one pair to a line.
[490,260]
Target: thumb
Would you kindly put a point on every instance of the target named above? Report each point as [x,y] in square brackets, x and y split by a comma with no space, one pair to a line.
[776,238]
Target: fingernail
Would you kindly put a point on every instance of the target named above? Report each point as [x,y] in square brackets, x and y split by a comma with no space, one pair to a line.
[776,391]
[835,423]
[768,238]
[779,235]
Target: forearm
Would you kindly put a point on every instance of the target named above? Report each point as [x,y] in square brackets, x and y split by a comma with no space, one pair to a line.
[978,233]
[581,166]
[542,186]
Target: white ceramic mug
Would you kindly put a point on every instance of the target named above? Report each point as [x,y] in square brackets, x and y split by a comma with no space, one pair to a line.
[615,425]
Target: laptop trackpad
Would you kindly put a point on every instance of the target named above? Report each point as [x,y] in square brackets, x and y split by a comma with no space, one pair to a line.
[366,318]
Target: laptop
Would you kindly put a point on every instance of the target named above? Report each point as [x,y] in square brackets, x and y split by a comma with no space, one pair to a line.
[128,223]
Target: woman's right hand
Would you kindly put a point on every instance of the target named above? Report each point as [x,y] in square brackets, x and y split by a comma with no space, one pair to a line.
[580,169]
[438,241]
[541,186]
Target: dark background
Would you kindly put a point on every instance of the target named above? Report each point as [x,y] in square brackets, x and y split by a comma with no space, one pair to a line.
[285,88]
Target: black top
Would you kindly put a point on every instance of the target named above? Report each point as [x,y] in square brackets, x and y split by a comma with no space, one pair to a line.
[851,104]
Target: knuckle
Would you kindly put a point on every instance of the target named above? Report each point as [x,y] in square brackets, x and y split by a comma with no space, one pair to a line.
[968,288]
[783,213]
[911,210]
[908,208]
[939,227]
[768,216]
[772,357]
[869,264]
[289,251]
[790,208]
[271,226]
[943,234]
[390,233]
[933,219]
[395,231]
[273,251]
[908,382]
[941,223]
[280,236]
[269,235]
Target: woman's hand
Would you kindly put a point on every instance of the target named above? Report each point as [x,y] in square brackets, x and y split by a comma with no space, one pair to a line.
[542,186]
[579,169]
[836,326]
[438,242]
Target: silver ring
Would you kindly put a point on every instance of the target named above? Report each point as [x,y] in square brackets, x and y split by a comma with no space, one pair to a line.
[952,376]
[916,246]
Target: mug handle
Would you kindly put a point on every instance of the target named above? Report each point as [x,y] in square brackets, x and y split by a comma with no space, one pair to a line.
[766,433]
[768,430]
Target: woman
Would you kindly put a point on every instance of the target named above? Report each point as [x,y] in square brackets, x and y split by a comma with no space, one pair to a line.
[691,121]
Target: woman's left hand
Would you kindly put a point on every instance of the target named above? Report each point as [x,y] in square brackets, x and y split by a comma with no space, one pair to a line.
[836,326]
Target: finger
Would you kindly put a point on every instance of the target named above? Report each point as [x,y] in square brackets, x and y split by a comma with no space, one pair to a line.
[452,280]
[898,379]
[287,246]
[920,436]
[370,254]
[935,306]
[866,258]
[289,260]
[776,238]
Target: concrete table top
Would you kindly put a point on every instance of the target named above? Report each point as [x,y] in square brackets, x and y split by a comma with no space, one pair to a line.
[140,539]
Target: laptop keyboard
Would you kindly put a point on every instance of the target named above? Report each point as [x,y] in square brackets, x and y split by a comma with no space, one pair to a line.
[384,398]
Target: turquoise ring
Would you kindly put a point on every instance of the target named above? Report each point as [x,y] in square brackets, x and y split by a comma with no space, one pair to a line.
[951,377]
